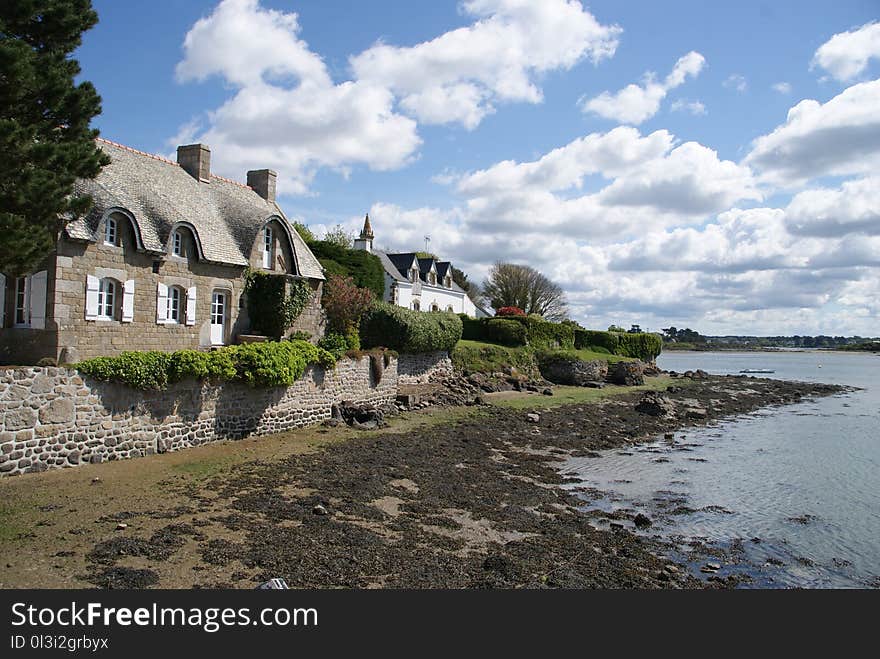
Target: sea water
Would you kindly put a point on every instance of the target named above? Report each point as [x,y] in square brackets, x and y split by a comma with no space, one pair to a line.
[794,490]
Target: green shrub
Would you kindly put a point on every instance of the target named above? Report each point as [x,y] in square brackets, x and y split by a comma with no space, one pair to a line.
[471,328]
[299,336]
[334,343]
[364,268]
[400,329]
[272,308]
[544,335]
[641,346]
[353,339]
[270,364]
[596,339]
[505,332]
[139,370]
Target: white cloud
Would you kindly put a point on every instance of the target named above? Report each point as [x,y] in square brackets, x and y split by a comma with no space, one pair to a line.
[461,75]
[837,138]
[853,208]
[696,108]
[287,113]
[782,87]
[737,82]
[635,104]
[846,55]
[636,181]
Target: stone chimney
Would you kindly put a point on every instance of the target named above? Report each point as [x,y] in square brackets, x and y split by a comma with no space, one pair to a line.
[196,160]
[263,183]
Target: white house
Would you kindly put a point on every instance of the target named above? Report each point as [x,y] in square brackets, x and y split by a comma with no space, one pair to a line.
[421,284]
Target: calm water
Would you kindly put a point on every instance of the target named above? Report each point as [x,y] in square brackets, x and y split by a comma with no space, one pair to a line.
[795,491]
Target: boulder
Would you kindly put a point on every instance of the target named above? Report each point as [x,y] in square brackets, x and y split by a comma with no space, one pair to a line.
[573,371]
[629,374]
[654,404]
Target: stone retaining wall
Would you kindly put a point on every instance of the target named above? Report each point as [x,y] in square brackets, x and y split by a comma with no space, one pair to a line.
[424,367]
[55,417]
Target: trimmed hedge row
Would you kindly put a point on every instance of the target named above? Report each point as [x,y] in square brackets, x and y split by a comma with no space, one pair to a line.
[532,331]
[390,326]
[639,346]
[506,332]
[270,364]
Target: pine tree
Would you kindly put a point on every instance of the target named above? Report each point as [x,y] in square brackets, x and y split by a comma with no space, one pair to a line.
[46,142]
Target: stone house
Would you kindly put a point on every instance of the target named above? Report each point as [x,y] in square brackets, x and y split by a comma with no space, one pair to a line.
[421,284]
[157,264]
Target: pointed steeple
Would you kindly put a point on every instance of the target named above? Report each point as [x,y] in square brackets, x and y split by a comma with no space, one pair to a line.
[365,240]
[367,231]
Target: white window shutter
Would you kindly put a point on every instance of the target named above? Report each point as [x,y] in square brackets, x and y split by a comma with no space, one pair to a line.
[38,300]
[2,300]
[191,305]
[128,301]
[161,303]
[92,285]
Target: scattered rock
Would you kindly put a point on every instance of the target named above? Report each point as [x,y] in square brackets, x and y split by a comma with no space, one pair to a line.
[121,526]
[642,521]
[655,404]
[573,371]
[533,417]
[629,374]
[320,510]
[696,413]
[547,392]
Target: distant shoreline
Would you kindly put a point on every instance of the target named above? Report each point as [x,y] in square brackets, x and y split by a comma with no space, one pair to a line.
[667,348]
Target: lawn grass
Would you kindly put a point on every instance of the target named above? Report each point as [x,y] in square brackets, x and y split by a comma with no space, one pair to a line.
[484,357]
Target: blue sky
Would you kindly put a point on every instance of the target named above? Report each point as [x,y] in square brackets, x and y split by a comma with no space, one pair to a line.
[655,206]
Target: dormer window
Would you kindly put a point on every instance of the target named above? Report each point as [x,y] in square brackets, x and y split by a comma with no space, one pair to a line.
[111,235]
[177,243]
[448,282]
[268,248]
[413,274]
[432,279]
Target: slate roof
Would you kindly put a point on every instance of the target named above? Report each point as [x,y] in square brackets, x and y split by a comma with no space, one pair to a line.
[397,266]
[158,193]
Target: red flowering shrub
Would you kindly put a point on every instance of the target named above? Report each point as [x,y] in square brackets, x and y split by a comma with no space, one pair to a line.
[344,303]
[510,311]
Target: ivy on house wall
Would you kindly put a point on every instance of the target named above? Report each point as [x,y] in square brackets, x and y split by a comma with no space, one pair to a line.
[274,302]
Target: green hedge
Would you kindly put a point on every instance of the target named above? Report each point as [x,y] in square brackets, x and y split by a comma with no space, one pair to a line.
[270,364]
[596,339]
[506,332]
[364,268]
[641,346]
[544,335]
[471,328]
[391,326]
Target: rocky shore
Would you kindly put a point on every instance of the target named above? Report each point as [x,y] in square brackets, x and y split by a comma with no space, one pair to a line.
[473,503]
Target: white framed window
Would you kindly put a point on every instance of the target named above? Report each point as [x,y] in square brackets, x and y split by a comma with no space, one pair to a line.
[268,248]
[448,281]
[22,295]
[413,274]
[107,299]
[177,243]
[449,308]
[111,233]
[416,305]
[432,279]
[173,315]
[435,307]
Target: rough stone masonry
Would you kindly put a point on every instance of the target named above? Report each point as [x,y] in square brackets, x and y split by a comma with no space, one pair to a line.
[55,417]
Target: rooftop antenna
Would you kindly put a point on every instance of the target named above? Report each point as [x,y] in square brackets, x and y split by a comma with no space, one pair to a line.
[427,240]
